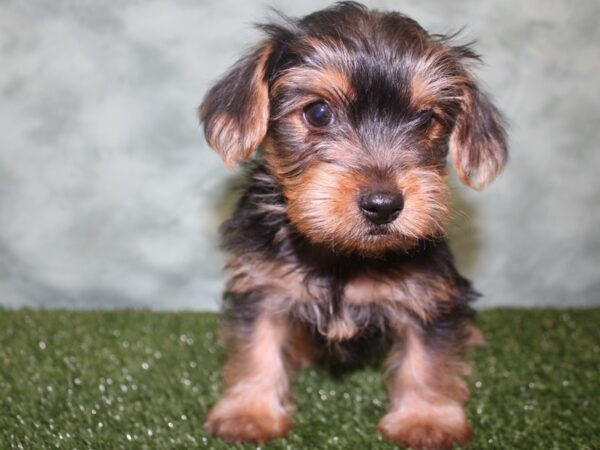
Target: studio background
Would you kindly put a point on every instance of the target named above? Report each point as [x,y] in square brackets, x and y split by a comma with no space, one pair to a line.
[110,197]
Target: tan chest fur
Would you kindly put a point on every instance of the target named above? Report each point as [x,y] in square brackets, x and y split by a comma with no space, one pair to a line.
[286,287]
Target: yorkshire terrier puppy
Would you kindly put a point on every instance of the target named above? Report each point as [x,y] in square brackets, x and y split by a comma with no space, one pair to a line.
[338,239]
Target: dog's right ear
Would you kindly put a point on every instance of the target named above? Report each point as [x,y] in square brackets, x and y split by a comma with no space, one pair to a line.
[235,111]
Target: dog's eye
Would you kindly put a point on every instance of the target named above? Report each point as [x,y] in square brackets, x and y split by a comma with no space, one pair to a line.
[318,114]
[425,118]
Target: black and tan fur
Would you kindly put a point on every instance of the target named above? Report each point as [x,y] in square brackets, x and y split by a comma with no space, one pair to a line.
[309,276]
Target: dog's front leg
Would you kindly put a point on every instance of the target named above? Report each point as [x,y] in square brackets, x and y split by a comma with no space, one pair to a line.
[427,390]
[253,406]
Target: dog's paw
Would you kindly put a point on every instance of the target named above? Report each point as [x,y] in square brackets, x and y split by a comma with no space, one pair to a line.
[432,430]
[256,421]
[476,338]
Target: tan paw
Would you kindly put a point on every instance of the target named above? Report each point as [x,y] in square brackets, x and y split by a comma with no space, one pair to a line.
[235,420]
[434,430]
[476,337]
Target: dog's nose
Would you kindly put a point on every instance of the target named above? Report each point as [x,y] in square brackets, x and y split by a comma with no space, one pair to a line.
[381,206]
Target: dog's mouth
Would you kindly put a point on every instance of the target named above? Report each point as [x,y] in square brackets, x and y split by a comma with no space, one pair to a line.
[379,230]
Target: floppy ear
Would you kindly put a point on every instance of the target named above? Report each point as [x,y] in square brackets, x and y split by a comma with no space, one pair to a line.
[478,141]
[235,111]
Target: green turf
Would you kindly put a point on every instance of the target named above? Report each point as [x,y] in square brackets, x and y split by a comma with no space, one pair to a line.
[139,379]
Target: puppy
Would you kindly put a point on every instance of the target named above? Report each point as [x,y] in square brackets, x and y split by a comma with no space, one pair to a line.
[338,239]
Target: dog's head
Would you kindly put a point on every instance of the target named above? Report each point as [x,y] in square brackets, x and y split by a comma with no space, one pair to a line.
[355,112]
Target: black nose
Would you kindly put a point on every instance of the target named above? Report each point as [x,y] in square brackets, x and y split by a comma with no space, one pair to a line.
[381,206]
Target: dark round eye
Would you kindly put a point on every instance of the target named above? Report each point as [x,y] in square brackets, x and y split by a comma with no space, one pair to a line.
[318,114]
[424,118]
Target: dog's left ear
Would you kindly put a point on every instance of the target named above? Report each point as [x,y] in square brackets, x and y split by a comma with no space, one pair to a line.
[235,111]
[478,141]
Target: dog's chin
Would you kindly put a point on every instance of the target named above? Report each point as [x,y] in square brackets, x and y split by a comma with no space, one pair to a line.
[372,242]
[380,240]
[382,231]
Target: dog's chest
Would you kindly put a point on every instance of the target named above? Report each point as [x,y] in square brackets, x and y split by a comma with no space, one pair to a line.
[339,307]
[359,306]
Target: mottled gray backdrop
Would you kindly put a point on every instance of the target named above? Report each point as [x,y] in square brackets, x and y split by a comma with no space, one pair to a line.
[109,196]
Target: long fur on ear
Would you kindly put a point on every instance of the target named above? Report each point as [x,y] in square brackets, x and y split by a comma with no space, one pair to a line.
[478,141]
[235,111]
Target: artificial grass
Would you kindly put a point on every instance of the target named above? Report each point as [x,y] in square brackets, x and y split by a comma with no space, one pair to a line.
[140,379]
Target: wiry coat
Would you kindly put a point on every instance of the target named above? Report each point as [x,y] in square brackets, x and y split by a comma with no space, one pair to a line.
[349,106]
